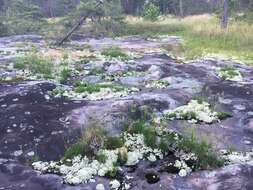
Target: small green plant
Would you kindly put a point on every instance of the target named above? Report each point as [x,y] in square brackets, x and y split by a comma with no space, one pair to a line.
[35,63]
[151,12]
[113,173]
[149,133]
[84,61]
[93,139]
[96,71]
[136,127]
[112,143]
[81,87]
[74,150]
[166,142]
[223,115]
[101,158]
[65,74]
[206,157]
[122,156]
[228,72]
[200,99]
[19,64]
[114,52]
[150,137]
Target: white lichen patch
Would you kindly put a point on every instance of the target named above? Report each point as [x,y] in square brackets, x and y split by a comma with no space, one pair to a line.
[115,184]
[194,112]
[137,149]
[161,84]
[82,170]
[230,73]
[238,157]
[103,94]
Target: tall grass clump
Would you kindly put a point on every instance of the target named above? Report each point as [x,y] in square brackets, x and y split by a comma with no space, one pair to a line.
[35,63]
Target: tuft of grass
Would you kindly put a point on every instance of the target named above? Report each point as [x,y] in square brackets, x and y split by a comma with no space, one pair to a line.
[200,99]
[101,158]
[93,139]
[114,52]
[150,137]
[122,156]
[206,157]
[81,87]
[229,72]
[166,142]
[223,115]
[36,63]
[149,133]
[112,143]
[96,71]
[64,75]
[74,150]
[114,172]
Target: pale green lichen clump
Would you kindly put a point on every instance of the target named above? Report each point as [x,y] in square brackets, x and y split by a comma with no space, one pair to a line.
[230,73]
[82,169]
[102,94]
[161,84]
[194,112]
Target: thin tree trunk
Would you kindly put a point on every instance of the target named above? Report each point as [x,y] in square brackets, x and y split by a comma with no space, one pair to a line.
[76,27]
[181,9]
[225,14]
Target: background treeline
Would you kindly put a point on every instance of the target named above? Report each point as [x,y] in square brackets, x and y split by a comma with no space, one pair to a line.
[56,8]
[30,16]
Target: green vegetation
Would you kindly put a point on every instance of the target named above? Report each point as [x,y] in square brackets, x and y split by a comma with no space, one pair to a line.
[92,140]
[113,173]
[151,12]
[198,39]
[21,18]
[64,75]
[74,150]
[101,158]
[200,99]
[112,143]
[114,52]
[228,72]
[96,71]
[81,87]
[223,115]
[149,133]
[35,63]
[206,156]
[122,156]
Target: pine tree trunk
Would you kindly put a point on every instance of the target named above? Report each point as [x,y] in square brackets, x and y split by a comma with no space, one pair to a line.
[225,14]
[77,26]
[181,10]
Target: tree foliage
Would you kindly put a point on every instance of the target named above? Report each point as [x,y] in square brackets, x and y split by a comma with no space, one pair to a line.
[151,12]
[21,17]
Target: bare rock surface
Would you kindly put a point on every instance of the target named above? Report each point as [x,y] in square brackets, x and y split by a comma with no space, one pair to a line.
[35,123]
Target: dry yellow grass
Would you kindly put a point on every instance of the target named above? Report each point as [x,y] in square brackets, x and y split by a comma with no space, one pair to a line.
[202,35]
